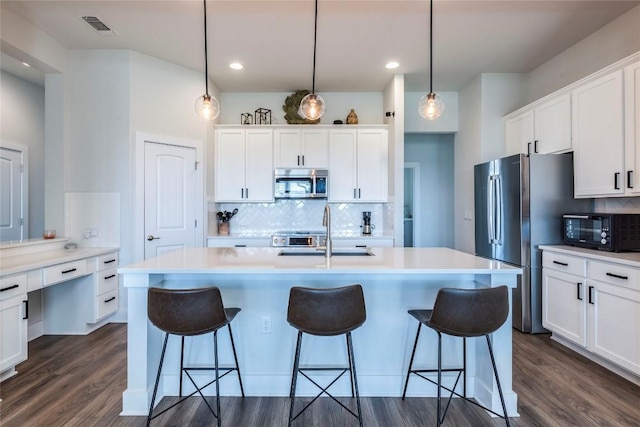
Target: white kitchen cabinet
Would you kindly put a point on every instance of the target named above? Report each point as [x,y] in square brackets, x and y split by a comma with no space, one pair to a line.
[13,323]
[297,148]
[363,242]
[238,242]
[244,165]
[594,303]
[632,128]
[564,309]
[105,286]
[545,128]
[598,137]
[358,165]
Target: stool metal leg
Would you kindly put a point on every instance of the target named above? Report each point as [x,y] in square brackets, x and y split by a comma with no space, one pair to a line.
[155,387]
[355,378]
[215,351]
[350,371]
[294,377]
[464,366]
[439,378]
[413,354]
[235,357]
[495,372]
[181,362]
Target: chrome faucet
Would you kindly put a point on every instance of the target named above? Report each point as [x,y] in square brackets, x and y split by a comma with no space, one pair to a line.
[326,222]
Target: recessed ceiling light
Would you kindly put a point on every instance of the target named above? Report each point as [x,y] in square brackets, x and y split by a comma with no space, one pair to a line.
[392,65]
[26,65]
[236,66]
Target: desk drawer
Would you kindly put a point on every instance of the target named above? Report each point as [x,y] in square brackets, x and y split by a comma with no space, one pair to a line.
[566,263]
[10,286]
[106,304]
[106,261]
[106,281]
[63,272]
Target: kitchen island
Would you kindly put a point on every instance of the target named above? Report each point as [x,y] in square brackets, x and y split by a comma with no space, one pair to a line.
[258,281]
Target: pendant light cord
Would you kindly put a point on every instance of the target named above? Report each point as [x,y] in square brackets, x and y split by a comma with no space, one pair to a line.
[315,37]
[431,47]
[206,62]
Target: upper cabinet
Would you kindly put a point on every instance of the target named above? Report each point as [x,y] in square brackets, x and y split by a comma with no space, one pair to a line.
[545,128]
[632,127]
[598,136]
[301,148]
[358,165]
[244,165]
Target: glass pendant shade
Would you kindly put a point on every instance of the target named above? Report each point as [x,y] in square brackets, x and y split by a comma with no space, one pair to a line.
[312,107]
[431,106]
[207,107]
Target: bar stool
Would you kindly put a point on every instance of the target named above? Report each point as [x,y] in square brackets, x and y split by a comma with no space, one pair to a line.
[190,312]
[326,312]
[462,313]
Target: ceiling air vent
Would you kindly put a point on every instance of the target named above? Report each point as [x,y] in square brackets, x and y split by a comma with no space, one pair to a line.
[98,25]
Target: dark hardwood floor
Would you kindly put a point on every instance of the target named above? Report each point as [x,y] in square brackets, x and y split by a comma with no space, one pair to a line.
[78,381]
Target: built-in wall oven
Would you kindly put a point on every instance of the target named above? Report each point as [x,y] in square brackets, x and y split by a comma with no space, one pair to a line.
[301,183]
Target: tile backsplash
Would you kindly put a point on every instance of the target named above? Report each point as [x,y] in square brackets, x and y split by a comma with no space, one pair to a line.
[299,214]
[621,205]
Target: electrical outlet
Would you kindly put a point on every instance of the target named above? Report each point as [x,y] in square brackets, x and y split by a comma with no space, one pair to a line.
[265,325]
[90,232]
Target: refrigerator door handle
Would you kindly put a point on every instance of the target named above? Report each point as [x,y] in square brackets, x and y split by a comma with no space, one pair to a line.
[490,195]
[498,213]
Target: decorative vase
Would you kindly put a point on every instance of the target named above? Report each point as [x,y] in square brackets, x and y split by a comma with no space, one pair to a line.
[223,228]
[352,118]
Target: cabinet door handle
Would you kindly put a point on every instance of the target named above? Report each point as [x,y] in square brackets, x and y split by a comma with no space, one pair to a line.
[359,193]
[110,277]
[8,288]
[246,193]
[579,291]
[69,271]
[109,300]
[303,160]
[355,194]
[629,179]
[298,160]
[617,276]
[535,146]
[616,179]
[26,309]
[591,295]
[561,263]
[242,193]
[528,148]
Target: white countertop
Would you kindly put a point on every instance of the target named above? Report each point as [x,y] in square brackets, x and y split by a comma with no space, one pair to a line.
[631,259]
[266,260]
[26,262]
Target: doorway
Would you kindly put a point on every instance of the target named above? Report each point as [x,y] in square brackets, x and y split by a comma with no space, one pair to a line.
[411,202]
[14,194]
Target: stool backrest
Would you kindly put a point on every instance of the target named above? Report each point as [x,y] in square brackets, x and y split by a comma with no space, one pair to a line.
[470,312]
[186,311]
[325,312]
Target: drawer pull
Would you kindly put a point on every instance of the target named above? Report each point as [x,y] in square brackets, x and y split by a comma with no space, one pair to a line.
[578,290]
[591,295]
[110,261]
[361,246]
[69,271]
[561,263]
[240,246]
[109,300]
[109,277]
[8,288]
[617,276]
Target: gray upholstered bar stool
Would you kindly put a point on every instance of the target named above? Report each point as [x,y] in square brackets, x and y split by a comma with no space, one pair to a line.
[190,312]
[462,313]
[326,312]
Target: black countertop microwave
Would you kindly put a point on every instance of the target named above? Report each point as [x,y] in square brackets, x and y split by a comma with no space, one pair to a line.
[607,232]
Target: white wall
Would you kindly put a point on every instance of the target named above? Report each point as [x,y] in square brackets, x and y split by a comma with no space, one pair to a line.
[434,152]
[22,118]
[609,44]
[368,106]
[447,122]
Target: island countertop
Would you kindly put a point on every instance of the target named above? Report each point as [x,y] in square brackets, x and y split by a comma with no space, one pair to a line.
[266,260]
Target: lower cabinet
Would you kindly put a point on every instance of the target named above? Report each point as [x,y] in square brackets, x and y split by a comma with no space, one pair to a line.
[594,304]
[105,286]
[363,242]
[238,242]
[13,323]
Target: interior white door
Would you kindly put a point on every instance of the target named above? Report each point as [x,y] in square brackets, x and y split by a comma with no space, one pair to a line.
[169,192]
[12,195]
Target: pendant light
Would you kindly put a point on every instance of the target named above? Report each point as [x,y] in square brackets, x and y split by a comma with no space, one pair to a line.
[207,106]
[312,105]
[431,105]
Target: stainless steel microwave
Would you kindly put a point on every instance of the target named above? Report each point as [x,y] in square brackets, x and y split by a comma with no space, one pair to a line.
[301,183]
[607,232]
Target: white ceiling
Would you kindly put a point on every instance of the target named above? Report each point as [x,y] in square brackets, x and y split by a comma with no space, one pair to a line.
[274,39]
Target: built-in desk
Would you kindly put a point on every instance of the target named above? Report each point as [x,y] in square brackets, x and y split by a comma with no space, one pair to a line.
[46,289]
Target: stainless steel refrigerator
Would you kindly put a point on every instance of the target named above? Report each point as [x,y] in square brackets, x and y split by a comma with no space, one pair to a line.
[519,203]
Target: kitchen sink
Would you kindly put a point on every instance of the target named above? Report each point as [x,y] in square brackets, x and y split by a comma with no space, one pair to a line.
[335,252]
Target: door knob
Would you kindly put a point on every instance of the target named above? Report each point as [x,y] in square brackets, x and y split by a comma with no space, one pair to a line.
[150,237]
